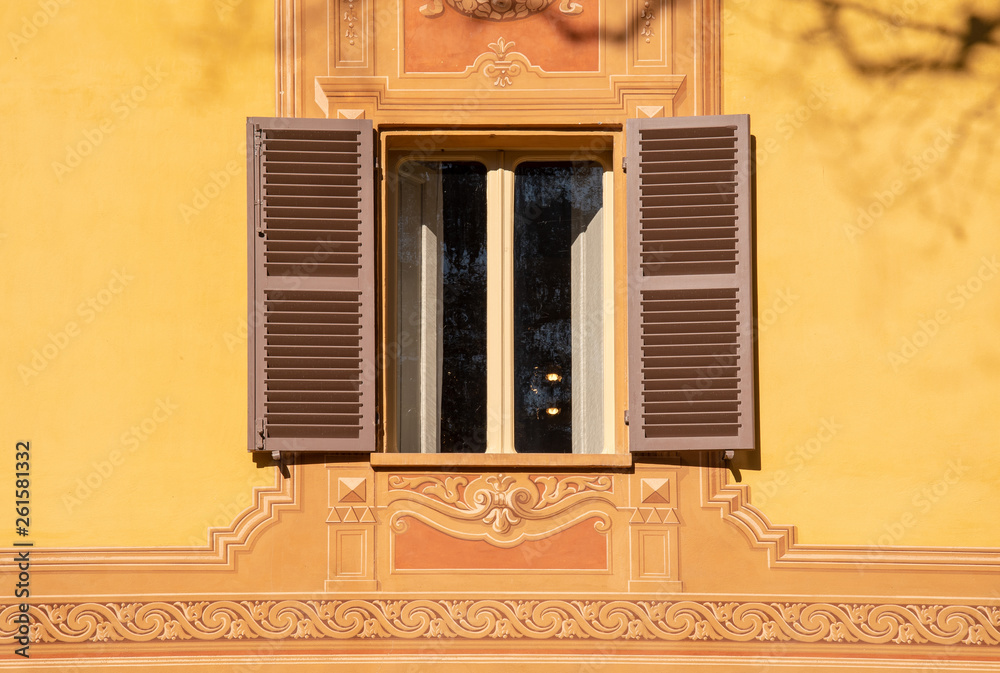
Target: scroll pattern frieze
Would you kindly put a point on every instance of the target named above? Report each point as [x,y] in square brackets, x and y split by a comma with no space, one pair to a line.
[501,509]
[744,622]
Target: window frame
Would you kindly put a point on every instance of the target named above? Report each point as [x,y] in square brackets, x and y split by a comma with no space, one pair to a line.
[336,237]
[502,151]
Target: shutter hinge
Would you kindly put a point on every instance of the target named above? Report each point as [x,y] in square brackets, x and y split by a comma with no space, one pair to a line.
[258,139]
[626,417]
[261,430]
[624,164]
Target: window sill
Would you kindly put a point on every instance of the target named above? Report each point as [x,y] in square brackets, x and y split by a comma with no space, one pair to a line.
[501,460]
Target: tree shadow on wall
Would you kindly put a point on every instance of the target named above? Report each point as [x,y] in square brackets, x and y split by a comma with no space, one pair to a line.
[952,55]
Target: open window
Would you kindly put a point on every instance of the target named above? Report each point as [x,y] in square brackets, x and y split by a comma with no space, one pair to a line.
[496,271]
[500,307]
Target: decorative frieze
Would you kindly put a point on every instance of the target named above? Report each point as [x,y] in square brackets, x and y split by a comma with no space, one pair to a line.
[476,619]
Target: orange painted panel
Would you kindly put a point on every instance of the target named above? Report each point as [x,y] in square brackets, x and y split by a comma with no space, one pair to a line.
[452,41]
[579,547]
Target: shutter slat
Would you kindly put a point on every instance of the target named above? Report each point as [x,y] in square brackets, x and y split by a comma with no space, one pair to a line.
[312,234]
[690,305]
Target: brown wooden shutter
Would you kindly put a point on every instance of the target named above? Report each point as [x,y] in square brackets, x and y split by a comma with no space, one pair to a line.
[312,314]
[690,254]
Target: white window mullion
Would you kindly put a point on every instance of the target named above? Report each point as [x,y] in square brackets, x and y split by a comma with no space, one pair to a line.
[498,338]
[431,324]
[587,320]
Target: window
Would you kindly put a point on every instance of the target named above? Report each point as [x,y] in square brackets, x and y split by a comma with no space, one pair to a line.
[496,313]
[501,277]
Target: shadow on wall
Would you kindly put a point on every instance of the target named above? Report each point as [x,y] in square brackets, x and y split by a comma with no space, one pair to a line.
[925,88]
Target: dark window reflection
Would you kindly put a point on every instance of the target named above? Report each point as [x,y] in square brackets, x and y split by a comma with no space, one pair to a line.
[463,271]
[553,203]
[442,290]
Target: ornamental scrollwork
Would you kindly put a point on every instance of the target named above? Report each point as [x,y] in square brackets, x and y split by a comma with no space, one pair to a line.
[499,10]
[501,509]
[605,620]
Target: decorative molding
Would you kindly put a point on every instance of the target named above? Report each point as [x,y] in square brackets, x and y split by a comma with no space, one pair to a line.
[503,510]
[494,619]
[733,501]
[501,69]
[288,57]
[349,25]
[611,102]
[647,16]
[351,20]
[707,76]
[222,546]
[498,10]
[654,515]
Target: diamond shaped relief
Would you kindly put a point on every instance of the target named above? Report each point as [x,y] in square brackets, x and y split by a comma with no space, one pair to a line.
[352,489]
[655,491]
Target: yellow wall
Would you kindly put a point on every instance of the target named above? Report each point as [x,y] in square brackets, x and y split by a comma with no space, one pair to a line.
[878,245]
[857,446]
[124,289]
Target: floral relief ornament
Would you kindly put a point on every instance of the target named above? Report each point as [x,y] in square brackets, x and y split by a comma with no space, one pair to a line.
[502,68]
[498,10]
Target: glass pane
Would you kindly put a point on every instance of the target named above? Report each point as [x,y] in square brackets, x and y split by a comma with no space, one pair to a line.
[557,207]
[442,307]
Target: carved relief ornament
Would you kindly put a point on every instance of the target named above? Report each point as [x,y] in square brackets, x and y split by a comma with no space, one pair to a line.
[503,510]
[737,621]
[498,10]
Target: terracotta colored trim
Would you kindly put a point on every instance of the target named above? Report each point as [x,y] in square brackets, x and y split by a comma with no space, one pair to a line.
[223,543]
[611,101]
[494,620]
[500,460]
[733,501]
[288,57]
[708,56]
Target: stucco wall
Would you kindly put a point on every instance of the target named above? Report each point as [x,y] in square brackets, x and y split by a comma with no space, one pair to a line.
[124,274]
[877,266]
[125,266]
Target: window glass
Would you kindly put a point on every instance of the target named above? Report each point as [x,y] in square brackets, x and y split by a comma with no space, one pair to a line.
[441,294]
[557,306]
[500,286]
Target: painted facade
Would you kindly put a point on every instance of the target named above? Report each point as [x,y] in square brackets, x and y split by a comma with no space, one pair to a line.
[858,536]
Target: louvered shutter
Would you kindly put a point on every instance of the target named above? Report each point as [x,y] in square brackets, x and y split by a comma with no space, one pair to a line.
[691,362]
[312,318]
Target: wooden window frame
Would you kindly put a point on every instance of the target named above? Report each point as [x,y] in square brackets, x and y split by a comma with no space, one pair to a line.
[602,146]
